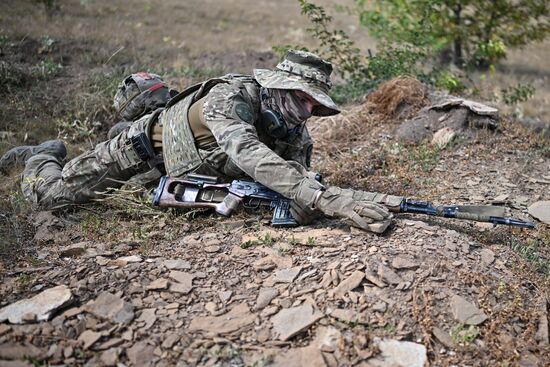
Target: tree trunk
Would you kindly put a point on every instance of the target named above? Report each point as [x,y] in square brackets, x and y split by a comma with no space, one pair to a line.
[457,47]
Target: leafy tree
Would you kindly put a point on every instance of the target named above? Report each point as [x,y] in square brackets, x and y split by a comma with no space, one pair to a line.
[477,33]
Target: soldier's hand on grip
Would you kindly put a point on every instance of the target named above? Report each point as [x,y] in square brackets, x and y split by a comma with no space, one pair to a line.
[365,215]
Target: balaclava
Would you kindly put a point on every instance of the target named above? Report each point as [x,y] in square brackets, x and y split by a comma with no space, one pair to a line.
[287,104]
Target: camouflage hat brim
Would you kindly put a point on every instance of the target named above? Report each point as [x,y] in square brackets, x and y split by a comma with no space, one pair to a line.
[276,79]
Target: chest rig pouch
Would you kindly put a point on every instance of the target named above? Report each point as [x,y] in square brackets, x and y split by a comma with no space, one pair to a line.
[178,143]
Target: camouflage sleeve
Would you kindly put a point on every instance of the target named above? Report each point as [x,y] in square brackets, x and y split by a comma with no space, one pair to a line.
[229,114]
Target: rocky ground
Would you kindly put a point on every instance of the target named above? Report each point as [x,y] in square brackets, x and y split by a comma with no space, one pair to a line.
[118,283]
[139,287]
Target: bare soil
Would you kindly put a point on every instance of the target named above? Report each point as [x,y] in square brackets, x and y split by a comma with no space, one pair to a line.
[210,308]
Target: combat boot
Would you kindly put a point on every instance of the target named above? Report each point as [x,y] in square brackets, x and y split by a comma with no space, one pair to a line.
[18,156]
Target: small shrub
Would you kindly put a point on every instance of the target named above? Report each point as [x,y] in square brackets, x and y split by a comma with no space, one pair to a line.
[519,93]
[335,45]
[47,68]
[77,130]
[450,82]
[46,44]
[463,335]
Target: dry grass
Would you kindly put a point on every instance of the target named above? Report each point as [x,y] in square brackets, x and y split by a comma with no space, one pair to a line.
[397,96]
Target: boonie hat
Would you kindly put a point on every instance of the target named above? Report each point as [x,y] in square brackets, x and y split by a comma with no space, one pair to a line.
[304,71]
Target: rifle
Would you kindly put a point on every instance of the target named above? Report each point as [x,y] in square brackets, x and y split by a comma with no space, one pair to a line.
[478,213]
[200,191]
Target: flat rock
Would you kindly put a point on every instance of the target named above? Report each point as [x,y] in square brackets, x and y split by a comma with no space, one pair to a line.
[239,317]
[388,275]
[125,260]
[211,249]
[348,315]
[148,317]
[443,337]
[466,312]
[111,307]
[401,262]
[42,306]
[225,295]
[286,275]
[11,351]
[542,334]
[170,341]
[88,338]
[74,250]
[265,297]
[184,281]
[394,353]
[291,321]
[373,278]
[299,357]
[110,357]
[158,284]
[141,354]
[272,260]
[500,199]
[541,211]
[487,256]
[348,284]
[177,264]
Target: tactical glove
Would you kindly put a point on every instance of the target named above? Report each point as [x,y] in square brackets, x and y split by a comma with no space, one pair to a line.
[391,202]
[365,215]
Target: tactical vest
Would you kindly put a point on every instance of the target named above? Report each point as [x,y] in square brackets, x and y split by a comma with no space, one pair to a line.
[180,151]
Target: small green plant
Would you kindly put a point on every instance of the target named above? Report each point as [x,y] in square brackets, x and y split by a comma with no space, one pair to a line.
[91,224]
[46,44]
[461,334]
[424,156]
[24,280]
[532,252]
[4,41]
[77,130]
[34,261]
[36,362]
[227,353]
[519,93]
[450,82]
[266,240]
[396,60]
[249,244]
[311,241]
[488,53]
[47,68]
[501,288]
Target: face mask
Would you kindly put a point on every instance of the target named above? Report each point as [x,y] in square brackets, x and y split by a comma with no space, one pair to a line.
[289,105]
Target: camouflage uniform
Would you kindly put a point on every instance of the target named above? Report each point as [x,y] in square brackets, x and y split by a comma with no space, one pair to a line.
[231,110]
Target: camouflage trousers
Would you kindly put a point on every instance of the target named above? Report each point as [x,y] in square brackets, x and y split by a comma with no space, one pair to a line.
[49,183]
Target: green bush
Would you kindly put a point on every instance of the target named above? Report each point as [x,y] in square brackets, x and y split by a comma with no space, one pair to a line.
[519,93]
[477,33]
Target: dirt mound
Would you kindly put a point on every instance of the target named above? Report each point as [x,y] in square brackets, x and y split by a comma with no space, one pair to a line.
[397,98]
